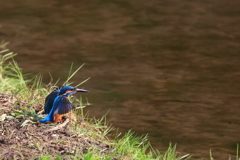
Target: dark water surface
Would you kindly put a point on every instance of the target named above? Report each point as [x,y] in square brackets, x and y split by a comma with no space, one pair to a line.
[167,68]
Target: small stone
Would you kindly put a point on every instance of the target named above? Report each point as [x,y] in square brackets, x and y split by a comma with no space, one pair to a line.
[55,136]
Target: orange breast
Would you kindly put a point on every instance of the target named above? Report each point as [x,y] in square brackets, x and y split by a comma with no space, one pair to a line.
[57,118]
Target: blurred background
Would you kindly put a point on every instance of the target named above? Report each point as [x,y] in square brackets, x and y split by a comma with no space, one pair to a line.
[169,68]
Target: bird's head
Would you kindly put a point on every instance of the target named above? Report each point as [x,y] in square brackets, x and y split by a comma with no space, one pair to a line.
[68,90]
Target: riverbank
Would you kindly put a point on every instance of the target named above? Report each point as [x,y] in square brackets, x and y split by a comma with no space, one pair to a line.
[23,137]
[169,69]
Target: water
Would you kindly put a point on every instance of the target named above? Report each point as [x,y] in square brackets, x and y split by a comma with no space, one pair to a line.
[168,68]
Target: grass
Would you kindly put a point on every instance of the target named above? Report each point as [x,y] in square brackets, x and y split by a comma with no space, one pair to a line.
[32,92]
[174,26]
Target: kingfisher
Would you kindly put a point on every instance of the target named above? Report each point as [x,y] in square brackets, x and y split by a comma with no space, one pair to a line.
[57,103]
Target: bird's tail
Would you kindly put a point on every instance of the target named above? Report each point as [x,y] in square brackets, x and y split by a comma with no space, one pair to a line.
[46,119]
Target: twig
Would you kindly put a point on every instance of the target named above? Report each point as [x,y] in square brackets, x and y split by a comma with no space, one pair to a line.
[84,106]
[80,107]
[57,127]
[40,112]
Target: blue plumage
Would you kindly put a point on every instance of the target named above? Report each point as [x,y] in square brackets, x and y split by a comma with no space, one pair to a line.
[61,106]
[49,100]
[64,89]
[57,103]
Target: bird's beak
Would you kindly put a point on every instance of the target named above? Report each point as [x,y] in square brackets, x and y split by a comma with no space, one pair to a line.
[81,90]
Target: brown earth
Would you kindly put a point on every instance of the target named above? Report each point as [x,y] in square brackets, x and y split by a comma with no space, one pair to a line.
[24,138]
[167,68]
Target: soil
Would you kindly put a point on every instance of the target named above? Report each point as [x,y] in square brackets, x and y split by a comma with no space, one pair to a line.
[169,69]
[21,140]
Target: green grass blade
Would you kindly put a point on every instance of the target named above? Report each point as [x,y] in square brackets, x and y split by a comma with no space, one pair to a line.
[67,81]
[83,82]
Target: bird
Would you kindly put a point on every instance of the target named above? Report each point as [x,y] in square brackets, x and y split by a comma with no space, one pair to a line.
[57,103]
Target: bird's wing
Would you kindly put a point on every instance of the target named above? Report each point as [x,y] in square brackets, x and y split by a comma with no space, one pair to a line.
[62,105]
[49,101]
